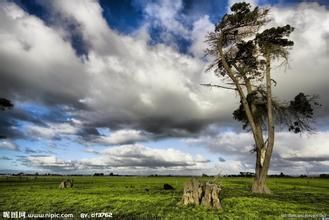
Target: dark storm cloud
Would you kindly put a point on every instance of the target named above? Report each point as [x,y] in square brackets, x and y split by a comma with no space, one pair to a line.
[10,122]
[16,114]
[221,159]
[29,150]
[5,158]
[54,76]
[141,161]
[117,137]
[8,130]
[173,128]
[75,36]
[88,132]
[47,162]
[41,67]
[159,126]
[13,122]
[324,158]
[126,156]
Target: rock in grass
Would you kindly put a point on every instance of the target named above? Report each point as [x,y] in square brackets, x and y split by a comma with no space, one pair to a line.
[206,194]
[68,183]
[167,186]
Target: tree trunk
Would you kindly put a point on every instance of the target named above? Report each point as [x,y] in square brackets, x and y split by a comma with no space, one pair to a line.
[259,185]
[264,151]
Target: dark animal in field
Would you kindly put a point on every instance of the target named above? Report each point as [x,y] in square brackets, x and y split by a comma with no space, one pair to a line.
[68,183]
[167,186]
[146,190]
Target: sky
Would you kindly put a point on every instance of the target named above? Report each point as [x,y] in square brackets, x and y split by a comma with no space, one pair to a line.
[114,86]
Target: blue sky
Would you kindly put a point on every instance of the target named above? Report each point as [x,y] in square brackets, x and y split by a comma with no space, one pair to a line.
[114,86]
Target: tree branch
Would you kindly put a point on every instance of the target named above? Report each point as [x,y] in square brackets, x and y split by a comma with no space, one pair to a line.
[213,85]
[240,90]
[258,126]
[270,120]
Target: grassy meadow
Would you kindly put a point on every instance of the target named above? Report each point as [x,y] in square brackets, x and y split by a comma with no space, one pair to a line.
[145,198]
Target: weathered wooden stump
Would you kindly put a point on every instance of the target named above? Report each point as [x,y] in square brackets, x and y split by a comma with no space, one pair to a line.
[198,193]
[68,183]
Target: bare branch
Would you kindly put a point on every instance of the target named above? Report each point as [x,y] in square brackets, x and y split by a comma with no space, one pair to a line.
[218,86]
[241,84]
[274,82]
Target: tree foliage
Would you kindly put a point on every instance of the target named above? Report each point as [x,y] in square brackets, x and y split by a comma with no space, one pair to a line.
[245,50]
[297,116]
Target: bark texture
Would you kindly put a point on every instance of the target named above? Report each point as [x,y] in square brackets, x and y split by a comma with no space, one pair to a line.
[198,193]
[264,151]
[66,184]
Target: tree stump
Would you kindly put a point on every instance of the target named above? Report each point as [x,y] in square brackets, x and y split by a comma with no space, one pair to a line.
[66,184]
[206,194]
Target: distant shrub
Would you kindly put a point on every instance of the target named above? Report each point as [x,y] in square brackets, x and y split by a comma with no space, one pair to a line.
[324,175]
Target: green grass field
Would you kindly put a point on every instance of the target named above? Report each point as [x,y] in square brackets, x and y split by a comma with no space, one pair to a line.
[127,197]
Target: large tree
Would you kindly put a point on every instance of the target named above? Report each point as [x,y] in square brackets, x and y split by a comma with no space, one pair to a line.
[244,52]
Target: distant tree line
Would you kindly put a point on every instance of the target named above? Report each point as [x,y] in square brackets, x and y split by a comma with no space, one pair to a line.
[241,174]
